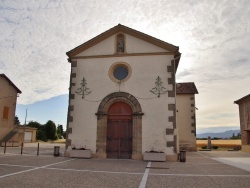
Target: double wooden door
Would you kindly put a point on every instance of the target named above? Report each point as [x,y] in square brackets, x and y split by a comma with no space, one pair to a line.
[119,131]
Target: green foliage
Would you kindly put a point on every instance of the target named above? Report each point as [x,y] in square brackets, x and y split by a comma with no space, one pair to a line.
[59,131]
[215,138]
[215,147]
[201,138]
[50,130]
[236,137]
[16,121]
[57,137]
[40,135]
[44,132]
[64,134]
[204,147]
[34,124]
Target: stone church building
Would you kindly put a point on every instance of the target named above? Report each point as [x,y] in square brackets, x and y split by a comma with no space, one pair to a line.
[123,97]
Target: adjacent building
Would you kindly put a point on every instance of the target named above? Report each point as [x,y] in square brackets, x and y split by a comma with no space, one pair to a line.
[244,112]
[122,97]
[8,97]
[186,116]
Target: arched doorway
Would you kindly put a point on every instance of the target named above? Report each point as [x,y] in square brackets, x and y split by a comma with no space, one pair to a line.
[105,108]
[119,131]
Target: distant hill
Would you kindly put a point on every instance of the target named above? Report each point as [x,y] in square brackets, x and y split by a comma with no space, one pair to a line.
[226,134]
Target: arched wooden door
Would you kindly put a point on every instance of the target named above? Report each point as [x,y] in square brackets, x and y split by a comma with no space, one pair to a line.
[119,131]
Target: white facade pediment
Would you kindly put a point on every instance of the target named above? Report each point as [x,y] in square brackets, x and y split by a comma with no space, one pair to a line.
[135,45]
[105,47]
[132,44]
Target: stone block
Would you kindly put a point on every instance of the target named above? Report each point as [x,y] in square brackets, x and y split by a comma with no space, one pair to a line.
[86,154]
[151,156]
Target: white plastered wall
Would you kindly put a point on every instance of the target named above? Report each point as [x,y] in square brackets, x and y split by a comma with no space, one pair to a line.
[145,70]
[107,47]
[185,112]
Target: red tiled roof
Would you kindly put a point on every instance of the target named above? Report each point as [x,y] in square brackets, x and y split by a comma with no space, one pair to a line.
[186,88]
[245,98]
[10,82]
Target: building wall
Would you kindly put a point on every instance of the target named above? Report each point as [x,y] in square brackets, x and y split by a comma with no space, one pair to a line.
[23,129]
[18,138]
[244,113]
[108,46]
[185,106]
[245,148]
[145,69]
[8,91]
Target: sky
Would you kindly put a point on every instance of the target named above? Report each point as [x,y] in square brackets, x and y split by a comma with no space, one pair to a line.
[213,37]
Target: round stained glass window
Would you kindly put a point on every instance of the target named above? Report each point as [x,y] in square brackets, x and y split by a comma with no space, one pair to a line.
[120,72]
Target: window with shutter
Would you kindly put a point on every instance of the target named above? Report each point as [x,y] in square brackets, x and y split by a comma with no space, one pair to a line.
[5,112]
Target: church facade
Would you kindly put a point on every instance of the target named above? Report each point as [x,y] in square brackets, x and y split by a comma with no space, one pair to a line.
[122,95]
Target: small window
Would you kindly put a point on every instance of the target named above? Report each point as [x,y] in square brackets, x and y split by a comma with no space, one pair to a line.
[5,112]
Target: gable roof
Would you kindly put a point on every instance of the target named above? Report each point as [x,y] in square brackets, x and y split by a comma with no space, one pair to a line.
[10,82]
[243,99]
[186,88]
[121,28]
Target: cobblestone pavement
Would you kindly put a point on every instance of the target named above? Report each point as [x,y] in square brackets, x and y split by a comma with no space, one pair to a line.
[202,169]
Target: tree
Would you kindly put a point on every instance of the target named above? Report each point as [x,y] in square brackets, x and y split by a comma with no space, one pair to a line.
[59,131]
[34,124]
[40,135]
[16,121]
[239,135]
[50,130]
[236,137]
[47,131]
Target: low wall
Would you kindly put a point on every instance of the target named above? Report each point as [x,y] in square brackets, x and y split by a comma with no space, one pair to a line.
[245,148]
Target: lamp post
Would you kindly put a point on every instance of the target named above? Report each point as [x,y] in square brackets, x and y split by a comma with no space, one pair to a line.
[24,125]
[25,118]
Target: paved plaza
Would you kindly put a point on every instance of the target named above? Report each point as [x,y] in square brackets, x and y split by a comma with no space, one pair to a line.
[202,169]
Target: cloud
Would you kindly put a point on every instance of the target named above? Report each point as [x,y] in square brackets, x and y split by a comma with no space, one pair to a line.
[213,37]
[218,129]
[54,109]
[182,74]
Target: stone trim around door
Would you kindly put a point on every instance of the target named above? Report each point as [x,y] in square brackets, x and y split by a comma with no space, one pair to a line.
[102,114]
